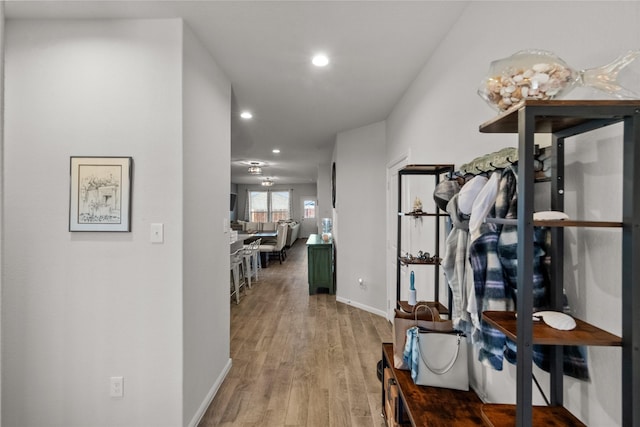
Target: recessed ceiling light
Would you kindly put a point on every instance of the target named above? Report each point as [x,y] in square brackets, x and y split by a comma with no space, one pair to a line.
[275,151]
[246,115]
[320,60]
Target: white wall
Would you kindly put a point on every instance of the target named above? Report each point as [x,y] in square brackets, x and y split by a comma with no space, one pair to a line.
[1,175]
[361,208]
[207,171]
[437,122]
[79,308]
[323,185]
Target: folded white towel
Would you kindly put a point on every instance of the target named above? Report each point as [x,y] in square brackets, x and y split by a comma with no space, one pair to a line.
[549,215]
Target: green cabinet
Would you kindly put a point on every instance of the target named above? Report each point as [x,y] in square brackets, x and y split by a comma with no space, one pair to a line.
[320,264]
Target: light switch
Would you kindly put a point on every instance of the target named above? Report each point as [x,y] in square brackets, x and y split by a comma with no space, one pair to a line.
[157,233]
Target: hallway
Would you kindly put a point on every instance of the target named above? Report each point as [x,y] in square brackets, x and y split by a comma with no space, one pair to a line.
[299,360]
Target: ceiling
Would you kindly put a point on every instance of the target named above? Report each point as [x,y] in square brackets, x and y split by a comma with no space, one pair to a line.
[376,49]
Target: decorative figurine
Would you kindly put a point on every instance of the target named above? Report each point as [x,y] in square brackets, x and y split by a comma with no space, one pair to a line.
[417,205]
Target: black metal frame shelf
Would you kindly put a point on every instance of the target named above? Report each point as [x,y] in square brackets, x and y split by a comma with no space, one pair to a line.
[435,170]
[563,119]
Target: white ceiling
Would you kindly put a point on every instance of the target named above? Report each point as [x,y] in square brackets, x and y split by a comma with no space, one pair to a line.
[376,49]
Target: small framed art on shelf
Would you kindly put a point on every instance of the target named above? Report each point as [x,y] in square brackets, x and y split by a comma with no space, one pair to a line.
[100,194]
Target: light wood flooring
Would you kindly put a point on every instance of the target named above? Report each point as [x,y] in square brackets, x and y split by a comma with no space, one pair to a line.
[299,359]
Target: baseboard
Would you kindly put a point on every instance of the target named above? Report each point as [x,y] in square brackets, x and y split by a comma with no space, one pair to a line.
[362,306]
[209,398]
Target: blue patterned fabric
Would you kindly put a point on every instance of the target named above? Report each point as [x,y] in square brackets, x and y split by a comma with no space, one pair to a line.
[490,295]
[412,352]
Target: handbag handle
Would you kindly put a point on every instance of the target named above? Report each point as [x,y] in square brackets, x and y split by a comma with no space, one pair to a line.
[448,367]
[435,317]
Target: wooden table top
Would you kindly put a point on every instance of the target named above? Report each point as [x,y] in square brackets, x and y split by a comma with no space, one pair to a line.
[434,406]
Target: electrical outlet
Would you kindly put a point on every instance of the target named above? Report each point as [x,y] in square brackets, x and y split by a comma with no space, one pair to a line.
[117,387]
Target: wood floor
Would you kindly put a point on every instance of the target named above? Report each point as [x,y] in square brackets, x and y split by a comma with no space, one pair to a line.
[299,359]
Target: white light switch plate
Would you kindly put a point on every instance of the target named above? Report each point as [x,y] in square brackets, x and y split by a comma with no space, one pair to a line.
[157,233]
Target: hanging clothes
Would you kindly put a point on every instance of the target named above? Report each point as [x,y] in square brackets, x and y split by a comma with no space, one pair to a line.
[483,204]
[488,277]
[494,260]
[574,357]
[455,264]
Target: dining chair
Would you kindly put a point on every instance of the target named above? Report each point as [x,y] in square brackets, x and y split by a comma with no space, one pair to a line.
[276,248]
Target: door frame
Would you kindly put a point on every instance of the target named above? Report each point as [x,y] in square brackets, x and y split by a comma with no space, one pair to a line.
[303,221]
[391,251]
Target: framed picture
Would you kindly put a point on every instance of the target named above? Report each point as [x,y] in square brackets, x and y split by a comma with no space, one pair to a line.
[100,198]
[333,185]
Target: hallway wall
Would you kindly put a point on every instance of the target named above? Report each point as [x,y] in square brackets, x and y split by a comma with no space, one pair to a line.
[205,258]
[79,308]
[359,217]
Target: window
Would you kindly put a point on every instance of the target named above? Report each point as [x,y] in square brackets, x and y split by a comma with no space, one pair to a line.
[266,206]
[279,205]
[309,211]
[258,206]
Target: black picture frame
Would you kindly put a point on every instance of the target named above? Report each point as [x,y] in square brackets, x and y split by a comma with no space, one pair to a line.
[100,193]
[333,185]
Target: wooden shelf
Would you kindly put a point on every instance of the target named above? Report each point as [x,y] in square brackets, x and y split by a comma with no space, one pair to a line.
[498,415]
[434,406]
[507,122]
[575,223]
[417,214]
[408,308]
[558,223]
[583,334]
[415,261]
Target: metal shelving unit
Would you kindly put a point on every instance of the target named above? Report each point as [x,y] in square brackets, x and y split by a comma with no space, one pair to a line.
[437,171]
[563,119]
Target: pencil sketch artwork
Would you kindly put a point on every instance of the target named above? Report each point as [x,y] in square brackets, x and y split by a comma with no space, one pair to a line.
[99,194]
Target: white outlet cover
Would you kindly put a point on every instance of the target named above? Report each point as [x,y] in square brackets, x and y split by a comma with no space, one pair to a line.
[116,388]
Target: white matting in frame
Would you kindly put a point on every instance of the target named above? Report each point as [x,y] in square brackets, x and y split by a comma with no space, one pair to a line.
[100,197]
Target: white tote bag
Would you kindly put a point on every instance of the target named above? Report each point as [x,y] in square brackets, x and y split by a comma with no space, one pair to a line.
[443,360]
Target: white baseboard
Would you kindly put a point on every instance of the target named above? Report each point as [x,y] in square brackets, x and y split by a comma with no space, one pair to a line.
[209,398]
[362,306]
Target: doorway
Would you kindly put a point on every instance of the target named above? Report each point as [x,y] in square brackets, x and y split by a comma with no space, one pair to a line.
[392,231]
[309,222]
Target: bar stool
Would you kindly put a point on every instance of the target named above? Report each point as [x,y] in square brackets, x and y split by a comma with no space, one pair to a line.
[237,279]
[251,255]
